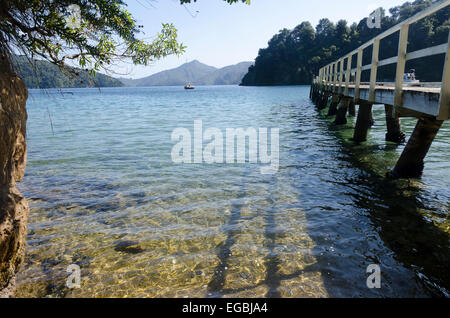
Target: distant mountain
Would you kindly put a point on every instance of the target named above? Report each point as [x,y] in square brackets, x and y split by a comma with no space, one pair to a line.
[126,81]
[48,75]
[229,75]
[194,72]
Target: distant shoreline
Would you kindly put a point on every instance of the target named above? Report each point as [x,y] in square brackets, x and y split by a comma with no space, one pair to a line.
[161,86]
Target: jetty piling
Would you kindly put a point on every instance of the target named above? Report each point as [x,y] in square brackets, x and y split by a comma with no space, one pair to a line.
[394,127]
[324,101]
[363,122]
[341,113]
[333,106]
[411,162]
[352,108]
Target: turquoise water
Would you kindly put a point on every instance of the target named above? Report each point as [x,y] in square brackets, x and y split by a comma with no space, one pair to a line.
[105,195]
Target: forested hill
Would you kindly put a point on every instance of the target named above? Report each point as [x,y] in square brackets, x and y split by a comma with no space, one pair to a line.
[294,56]
[47,75]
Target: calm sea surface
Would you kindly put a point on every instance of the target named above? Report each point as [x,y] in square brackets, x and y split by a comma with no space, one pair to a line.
[105,195]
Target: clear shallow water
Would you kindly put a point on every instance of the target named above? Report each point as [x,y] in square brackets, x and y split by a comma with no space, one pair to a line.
[100,174]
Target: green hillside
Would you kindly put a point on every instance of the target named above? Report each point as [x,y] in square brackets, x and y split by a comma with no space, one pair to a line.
[47,75]
[294,56]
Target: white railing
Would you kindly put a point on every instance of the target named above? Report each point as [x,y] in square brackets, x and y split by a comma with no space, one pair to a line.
[333,74]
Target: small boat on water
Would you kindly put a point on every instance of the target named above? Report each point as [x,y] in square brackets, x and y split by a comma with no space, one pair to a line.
[189,86]
[410,78]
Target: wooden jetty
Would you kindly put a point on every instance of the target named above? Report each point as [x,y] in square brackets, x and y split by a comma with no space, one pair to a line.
[428,102]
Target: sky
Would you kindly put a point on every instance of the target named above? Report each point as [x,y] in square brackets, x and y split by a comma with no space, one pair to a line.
[219,34]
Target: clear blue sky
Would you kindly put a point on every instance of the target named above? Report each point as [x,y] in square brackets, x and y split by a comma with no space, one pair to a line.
[221,34]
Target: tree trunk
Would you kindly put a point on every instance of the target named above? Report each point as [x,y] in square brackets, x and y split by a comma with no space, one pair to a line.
[13,153]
